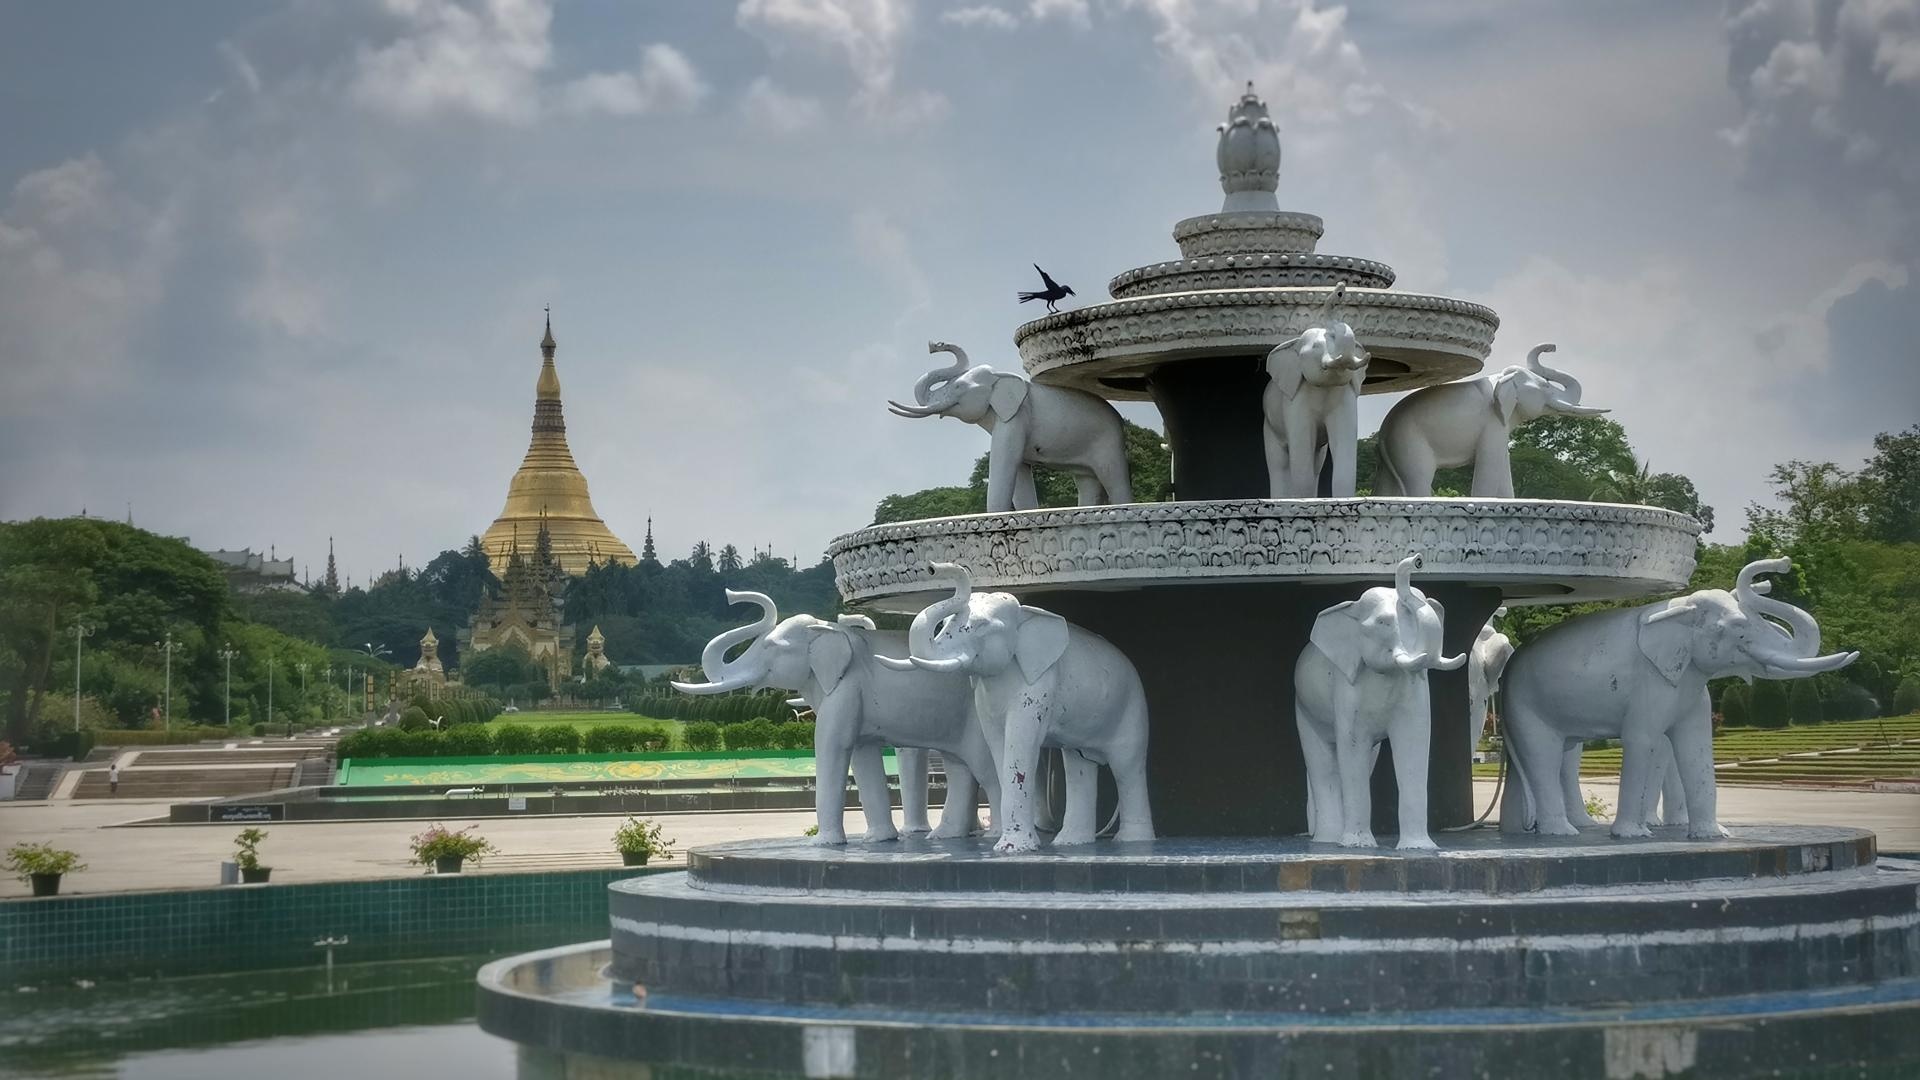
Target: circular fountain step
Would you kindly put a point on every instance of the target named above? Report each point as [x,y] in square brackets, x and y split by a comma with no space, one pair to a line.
[1274,926]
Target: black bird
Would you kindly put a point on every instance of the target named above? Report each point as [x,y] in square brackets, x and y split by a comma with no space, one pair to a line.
[1052,294]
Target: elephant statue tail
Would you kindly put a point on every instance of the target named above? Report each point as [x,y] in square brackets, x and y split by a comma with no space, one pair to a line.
[1516,805]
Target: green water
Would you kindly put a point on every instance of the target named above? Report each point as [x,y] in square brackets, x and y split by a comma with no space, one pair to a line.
[363,1021]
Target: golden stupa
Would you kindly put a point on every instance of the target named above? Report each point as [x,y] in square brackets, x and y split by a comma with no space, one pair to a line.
[549,490]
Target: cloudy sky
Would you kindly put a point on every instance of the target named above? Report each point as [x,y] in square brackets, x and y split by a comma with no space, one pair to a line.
[274,271]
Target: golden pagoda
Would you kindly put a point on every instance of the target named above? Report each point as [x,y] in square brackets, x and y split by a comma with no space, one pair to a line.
[549,491]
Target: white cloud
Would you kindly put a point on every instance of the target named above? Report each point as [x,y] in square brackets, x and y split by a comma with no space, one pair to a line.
[865,35]
[1073,11]
[883,244]
[983,16]
[480,57]
[666,81]
[773,108]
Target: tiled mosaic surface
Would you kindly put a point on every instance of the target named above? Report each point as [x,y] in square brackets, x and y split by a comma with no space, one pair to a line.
[253,927]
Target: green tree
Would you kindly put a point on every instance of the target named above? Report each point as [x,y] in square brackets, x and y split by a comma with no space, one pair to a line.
[1891,480]
[1906,699]
[1770,706]
[1735,708]
[1803,702]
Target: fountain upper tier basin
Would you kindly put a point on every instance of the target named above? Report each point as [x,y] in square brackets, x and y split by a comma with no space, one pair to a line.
[1533,550]
[1113,349]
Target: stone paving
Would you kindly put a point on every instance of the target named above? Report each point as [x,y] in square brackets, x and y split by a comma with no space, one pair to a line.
[189,856]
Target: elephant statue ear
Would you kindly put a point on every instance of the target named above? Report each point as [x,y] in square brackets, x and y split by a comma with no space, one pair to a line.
[1008,394]
[1506,395]
[1283,366]
[830,655]
[1336,633]
[1039,643]
[1666,637]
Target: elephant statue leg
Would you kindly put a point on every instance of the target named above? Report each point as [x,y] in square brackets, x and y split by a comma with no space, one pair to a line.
[913,788]
[830,762]
[1087,489]
[1673,795]
[1025,495]
[1639,771]
[1492,467]
[1303,459]
[1576,799]
[870,776]
[1411,735]
[1083,787]
[1539,753]
[1279,476]
[1692,742]
[1019,779]
[1116,484]
[1130,780]
[1343,431]
[960,816]
[1323,782]
[1354,753]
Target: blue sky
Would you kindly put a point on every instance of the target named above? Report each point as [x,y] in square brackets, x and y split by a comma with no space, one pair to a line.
[273,271]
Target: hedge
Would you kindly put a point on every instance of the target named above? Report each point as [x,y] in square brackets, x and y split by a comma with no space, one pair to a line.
[1906,699]
[147,737]
[478,740]
[1803,702]
[1770,708]
[1735,706]
[702,735]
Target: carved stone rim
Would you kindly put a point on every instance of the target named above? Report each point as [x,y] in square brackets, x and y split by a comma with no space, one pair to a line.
[1564,551]
[1308,298]
[1290,220]
[1125,284]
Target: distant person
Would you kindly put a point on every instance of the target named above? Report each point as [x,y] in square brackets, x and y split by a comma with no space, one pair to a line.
[113,779]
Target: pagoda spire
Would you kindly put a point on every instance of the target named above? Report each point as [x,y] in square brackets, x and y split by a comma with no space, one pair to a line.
[548,479]
[647,553]
[331,582]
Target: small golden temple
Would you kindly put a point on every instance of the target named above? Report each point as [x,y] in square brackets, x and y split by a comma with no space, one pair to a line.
[550,492]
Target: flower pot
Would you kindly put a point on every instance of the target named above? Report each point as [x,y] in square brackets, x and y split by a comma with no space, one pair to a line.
[46,884]
[635,858]
[254,875]
[448,864]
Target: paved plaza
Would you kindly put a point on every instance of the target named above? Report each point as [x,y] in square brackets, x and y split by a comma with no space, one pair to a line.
[123,857]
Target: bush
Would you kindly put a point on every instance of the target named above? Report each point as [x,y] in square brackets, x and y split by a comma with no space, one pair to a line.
[612,739]
[467,740]
[1736,705]
[515,739]
[1848,701]
[1803,703]
[440,842]
[414,719]
[750,735]
[1906,699]
[1770,707]
[259,729]
[179,735]
[654,739]
[557,739]
[702,735]
[793,735]
[26,860]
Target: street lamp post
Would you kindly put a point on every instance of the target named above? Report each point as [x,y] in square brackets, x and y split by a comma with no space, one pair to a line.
[374,652]
[81,632]
[302,665]
[226,653]
[326,703]
[270,660]
[168,646]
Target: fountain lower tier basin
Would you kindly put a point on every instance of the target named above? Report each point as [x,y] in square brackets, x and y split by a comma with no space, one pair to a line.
[1495,957]
[1213,601]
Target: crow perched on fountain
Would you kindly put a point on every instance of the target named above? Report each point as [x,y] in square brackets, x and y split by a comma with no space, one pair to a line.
[1052,294]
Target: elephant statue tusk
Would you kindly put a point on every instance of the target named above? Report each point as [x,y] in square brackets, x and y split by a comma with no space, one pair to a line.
[1450,663]
[911,412]
[893,663]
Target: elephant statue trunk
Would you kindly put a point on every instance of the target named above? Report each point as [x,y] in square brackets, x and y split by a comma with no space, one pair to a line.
[723,675]
[923,390]
[1754,600]
[1568,401]
[927,622]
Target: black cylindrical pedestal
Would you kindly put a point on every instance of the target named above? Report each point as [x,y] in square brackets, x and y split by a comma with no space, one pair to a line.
[1217,663]
[1215,423]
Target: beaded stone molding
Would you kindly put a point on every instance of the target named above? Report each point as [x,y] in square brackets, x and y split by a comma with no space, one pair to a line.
[1536,551]
[1247,231]
[1262,271]
[1416,340]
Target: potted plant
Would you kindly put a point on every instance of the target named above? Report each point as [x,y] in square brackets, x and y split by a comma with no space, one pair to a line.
[637,841]
[42,865]
[445,849]
[247,856]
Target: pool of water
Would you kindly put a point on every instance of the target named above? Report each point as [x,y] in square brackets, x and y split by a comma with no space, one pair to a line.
[406,1018]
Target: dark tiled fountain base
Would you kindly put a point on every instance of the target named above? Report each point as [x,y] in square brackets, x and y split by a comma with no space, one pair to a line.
[1782,948]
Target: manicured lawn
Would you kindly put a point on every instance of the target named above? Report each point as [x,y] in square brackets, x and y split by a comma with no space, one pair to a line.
[1845,751]
[587,721]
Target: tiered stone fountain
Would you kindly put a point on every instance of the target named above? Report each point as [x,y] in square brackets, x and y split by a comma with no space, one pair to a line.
[1232,946]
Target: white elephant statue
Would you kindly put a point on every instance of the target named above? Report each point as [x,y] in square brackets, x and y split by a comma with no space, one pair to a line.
[1487,659]
[1470,422]
[859,706]
[1031,424]
[1362,679]
[1312,402]
[1038,682]
[1640,675]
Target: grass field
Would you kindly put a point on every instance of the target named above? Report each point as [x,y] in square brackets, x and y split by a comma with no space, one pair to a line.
[587,721]
[1852,751]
